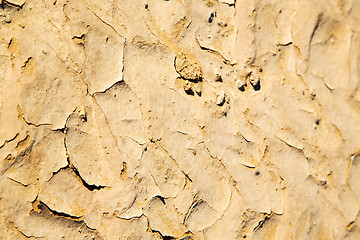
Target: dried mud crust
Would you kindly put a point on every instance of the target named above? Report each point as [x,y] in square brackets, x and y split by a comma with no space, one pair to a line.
[153,119]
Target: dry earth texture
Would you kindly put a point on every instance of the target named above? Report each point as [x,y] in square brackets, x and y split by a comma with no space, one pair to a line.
[179,119]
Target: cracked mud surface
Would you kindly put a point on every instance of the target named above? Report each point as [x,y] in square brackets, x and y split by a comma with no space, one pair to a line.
[179,119]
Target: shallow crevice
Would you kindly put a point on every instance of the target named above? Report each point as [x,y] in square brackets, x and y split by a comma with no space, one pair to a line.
[41,206]
[62,130]
[90,187]
[121,82]
[229,4]
[261,223]
[191,208]
[40,209]
[18,182]
[291,146]
[21,157]
[106,23]
[267,218]
[21,116]
[19,231]
[164,237]
[315,28]
[226,61]
[54,173]
[9,140]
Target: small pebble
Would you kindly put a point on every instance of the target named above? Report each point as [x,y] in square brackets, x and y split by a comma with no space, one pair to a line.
[188,87]
[82,114]
[254,78]
[221,98]
[197,89]
[218,78]
[240,85]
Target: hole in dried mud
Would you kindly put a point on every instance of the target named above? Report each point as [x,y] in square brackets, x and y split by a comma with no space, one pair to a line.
[211,18]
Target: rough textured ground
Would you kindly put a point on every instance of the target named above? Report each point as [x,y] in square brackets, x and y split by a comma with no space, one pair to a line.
[179,119]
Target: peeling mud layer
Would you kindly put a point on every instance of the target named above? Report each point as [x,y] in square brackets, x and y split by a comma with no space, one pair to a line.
[179,119]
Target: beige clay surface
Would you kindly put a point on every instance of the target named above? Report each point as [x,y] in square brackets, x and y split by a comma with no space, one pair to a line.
[179,119]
